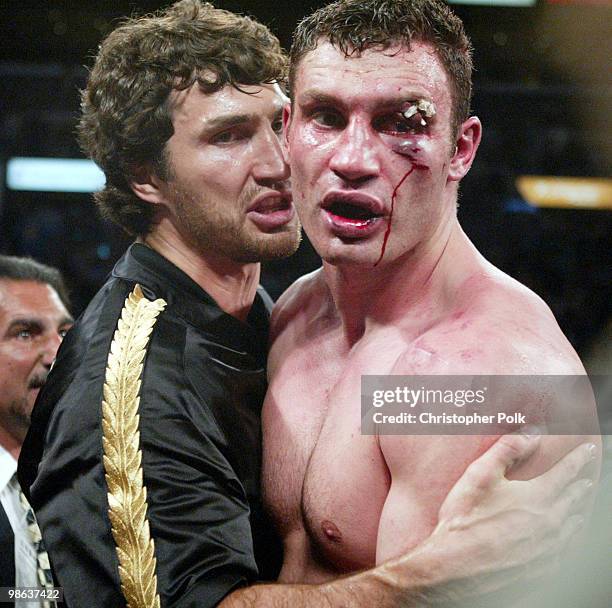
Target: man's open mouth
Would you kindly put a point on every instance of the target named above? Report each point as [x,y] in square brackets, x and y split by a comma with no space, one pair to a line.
[271,210]
[271,204]
[353,215]
[349,211]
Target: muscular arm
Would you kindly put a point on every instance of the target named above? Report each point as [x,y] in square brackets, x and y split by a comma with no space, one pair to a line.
[532,369]
[424,468]
[485,523]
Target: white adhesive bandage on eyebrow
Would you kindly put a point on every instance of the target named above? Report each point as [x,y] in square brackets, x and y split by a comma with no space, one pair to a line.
[427,108]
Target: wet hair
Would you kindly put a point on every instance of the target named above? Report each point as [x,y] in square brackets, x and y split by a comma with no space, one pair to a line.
[353,26]
[126,116]
[26,269]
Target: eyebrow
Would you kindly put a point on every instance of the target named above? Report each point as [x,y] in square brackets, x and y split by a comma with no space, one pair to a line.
[35,323]
[233,120]
[230,120]
[314,96]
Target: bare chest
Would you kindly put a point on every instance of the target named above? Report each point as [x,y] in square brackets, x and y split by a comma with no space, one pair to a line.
[323,480]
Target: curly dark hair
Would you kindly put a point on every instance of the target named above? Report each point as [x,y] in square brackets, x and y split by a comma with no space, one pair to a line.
[126,116]
[355,25]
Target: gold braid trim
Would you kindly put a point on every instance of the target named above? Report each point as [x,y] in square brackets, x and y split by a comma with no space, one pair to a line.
[127,496]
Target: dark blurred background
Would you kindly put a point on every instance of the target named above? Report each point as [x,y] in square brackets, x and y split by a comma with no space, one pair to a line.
[542,90]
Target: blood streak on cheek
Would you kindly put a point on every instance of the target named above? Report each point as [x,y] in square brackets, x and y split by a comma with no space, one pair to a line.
[412,152]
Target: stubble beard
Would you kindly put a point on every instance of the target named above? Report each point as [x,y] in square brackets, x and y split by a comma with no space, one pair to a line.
[208,230]
[16,418]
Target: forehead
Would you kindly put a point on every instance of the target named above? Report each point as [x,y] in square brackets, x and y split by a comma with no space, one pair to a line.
[29,298]
[374,74]
[193,107]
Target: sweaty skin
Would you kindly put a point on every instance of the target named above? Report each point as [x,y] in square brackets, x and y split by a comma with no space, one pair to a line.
[343,501]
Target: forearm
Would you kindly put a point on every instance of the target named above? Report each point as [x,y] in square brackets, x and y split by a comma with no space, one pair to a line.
[383,587]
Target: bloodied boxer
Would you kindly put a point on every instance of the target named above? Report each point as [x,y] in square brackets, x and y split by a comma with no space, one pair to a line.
[379,136]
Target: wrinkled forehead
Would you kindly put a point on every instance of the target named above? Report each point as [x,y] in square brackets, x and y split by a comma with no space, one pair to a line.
[230,97]
[18,297]
[375,70]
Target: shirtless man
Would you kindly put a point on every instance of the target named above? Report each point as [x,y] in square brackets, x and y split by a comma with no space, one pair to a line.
[379,137]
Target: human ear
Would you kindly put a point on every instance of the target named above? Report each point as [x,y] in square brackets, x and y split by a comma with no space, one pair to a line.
[466,145]
[146,185]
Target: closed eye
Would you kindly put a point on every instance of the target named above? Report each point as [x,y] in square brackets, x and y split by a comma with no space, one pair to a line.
[397,124]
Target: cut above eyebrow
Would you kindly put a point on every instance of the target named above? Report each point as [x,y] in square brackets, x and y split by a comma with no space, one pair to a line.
[315,96]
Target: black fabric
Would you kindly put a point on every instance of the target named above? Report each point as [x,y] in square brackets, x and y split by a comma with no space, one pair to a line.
[7,551]
[202,389]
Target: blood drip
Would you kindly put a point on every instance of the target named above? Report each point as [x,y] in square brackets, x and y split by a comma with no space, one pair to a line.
[404,150]
[388,230]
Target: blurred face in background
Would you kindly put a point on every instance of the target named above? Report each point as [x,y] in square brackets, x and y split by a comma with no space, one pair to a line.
[33,322]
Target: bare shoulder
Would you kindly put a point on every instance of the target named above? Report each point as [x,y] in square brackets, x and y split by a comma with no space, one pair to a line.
[296,300]
[496,325]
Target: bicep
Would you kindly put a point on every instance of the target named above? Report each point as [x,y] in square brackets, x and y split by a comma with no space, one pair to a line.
[423,469]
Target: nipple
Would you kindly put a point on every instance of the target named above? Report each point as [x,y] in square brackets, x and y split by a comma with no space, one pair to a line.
[331,531]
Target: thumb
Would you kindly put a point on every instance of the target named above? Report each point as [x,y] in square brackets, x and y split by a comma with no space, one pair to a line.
[479,478]
[505,453]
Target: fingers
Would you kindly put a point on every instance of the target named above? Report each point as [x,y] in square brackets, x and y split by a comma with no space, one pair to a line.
[505,453]
[575,499]
[564,472]
[481,476]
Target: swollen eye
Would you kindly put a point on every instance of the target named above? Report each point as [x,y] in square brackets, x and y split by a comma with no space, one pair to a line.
[425,108]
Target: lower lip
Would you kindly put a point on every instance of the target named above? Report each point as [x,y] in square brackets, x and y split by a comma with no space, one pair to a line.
[271,219]
[349,228]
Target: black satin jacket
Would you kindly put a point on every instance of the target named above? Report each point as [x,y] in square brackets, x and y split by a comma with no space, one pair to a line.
[200,401]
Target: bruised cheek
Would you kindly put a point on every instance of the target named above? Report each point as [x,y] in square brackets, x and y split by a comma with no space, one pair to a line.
[417,150]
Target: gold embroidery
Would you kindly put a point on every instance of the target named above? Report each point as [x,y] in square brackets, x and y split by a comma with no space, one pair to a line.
[127,496]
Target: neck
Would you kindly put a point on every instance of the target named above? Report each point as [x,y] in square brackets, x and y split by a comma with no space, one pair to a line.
[10,443]
[412,289]
[231,284]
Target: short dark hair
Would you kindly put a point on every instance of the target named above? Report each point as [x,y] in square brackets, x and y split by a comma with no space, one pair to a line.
[126,115]
[355,25]
[14,268]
